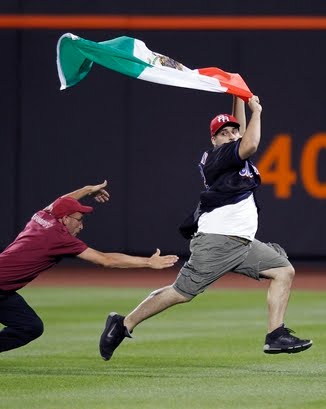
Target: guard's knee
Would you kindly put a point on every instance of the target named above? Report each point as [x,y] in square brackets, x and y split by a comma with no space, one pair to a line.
[34,330]
[38,328]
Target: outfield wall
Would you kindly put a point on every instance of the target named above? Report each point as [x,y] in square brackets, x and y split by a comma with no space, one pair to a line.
[147,139]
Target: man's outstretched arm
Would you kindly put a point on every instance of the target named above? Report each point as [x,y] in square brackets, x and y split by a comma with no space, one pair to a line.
[251,138]
[238,110]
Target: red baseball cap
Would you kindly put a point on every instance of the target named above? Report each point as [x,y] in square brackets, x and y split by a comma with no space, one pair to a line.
[64,206]
[222,120]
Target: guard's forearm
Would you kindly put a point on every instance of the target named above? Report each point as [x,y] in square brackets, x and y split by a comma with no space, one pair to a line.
[120,260]
[79,193]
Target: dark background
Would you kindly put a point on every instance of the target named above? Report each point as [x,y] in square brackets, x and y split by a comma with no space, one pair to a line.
[147,139]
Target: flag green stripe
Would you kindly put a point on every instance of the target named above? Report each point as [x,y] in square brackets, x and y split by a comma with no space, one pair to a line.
[73,64]
[77,57]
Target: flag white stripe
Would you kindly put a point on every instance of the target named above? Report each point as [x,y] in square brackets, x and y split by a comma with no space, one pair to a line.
[176,78]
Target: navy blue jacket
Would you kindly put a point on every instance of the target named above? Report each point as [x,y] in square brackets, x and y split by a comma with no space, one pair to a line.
[228,180]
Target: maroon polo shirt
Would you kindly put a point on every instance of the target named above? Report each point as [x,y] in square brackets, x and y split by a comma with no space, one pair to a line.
[41,245]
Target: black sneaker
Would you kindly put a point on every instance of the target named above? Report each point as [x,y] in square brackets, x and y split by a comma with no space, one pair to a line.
[281,341]
[113,334]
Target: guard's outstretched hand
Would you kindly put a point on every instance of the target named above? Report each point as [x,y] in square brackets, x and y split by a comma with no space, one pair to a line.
[99,193]
[158,262]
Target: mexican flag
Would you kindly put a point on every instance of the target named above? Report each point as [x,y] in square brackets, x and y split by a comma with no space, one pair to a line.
[129,56]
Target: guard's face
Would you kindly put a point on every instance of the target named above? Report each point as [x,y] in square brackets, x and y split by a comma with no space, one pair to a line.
[74,223]
[226,135]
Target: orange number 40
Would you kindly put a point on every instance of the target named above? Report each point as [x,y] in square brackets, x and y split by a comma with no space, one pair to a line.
[275,166]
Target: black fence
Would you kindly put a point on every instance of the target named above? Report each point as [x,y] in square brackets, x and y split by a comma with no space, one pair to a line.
[147,139]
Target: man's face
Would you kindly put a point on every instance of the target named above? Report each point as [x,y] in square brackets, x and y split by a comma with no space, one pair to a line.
[226,135]
[74,223]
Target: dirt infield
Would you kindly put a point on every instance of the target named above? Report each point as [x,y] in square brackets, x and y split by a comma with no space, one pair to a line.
[307,277]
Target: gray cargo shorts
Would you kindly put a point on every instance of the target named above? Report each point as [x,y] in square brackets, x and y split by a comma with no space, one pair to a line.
[213,255]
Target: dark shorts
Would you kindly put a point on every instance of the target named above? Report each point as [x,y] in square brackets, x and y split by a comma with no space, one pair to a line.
[213,255]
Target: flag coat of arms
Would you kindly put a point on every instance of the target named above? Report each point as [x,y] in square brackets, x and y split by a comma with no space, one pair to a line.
[129,56]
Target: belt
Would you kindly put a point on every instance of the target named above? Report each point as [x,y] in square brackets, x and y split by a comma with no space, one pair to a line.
[240,239]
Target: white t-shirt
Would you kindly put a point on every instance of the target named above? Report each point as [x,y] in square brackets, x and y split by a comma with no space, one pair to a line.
[240,219]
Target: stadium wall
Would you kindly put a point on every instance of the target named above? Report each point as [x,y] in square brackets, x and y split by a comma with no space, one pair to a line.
[147,139]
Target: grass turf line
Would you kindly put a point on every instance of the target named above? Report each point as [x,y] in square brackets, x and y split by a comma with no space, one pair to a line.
[204,354]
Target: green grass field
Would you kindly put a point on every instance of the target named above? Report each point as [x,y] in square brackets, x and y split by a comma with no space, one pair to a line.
[206,354]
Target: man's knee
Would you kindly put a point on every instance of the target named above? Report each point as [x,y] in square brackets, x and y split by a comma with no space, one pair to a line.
[286,274]
[289,272]
[170,292]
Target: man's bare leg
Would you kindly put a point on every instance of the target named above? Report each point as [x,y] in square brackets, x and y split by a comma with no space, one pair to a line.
[278,294]
[279,338]
[159,300]
[117,327]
